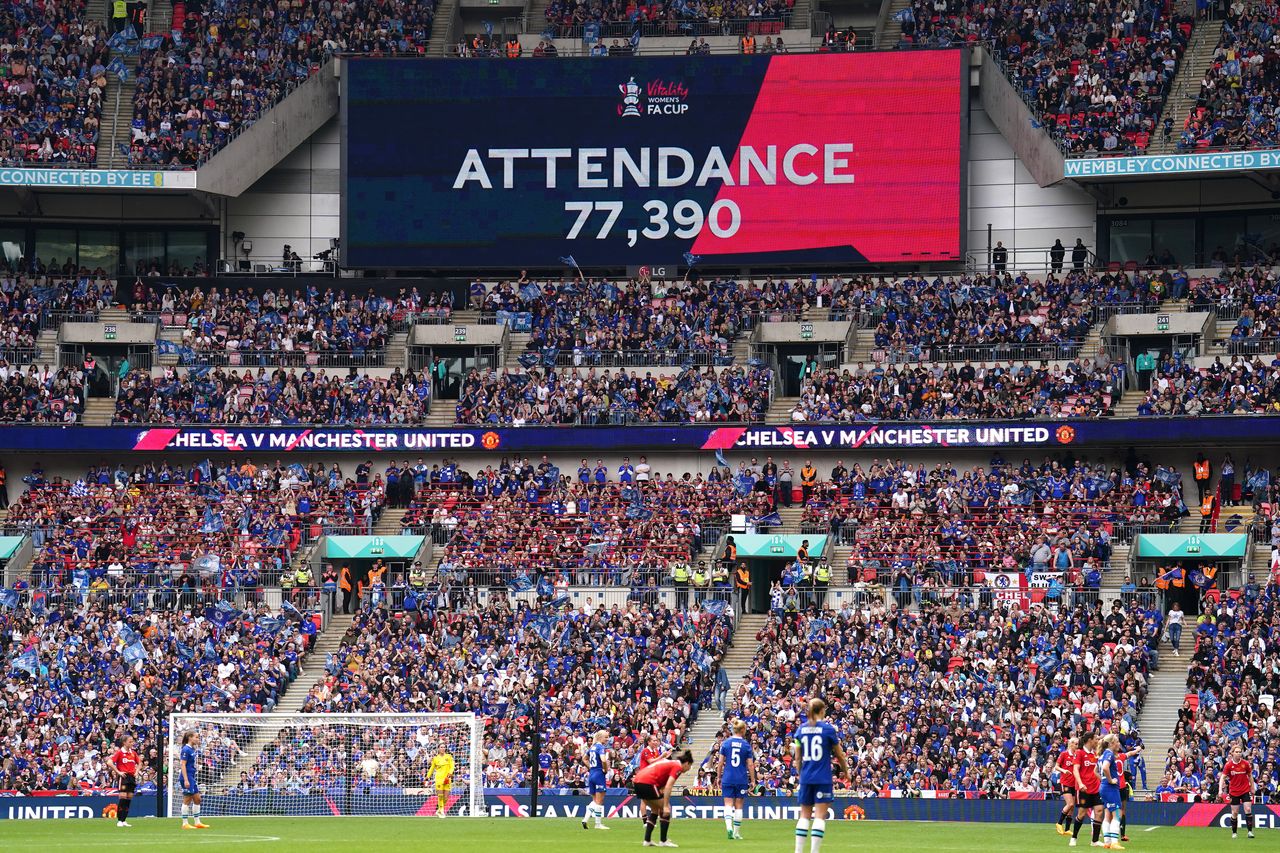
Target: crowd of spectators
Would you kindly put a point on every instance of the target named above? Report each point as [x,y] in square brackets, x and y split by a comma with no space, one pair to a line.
[974,702]
[184,530]
[1247,295]
[1096,74]
[40,394]
[918,528]
[1234,671]
[53,62]
[293,396]
[1240,386]
[518,520]
[596,320]
[632,671]
[1238,100]
[1083,389]
[230,63]
[548,396]
[1003,315]
[566,18]
[86,673]
[282,327]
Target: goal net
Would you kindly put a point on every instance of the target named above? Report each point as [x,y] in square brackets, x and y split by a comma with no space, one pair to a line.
[326,764]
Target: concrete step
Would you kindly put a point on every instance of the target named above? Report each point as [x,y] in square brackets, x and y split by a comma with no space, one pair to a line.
[294,696]
[737,662]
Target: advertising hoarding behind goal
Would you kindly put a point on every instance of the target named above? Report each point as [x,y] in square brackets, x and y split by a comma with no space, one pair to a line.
[816,158]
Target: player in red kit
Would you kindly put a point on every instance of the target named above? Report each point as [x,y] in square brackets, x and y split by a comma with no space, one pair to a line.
[1067,778]
[125,761]
[1237,779]
[652,752]
[1088,786]
[652,786]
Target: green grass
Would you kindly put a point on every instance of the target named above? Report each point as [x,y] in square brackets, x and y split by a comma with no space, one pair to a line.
[511,835]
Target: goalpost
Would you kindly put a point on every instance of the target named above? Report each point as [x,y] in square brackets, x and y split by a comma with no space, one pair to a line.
[326,764]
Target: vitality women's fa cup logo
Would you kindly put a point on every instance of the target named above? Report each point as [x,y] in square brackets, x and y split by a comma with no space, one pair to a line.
[630,105]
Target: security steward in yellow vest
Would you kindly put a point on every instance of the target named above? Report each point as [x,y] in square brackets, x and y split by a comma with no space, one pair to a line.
[821,581]
[720,581]
[119,15]
[742,582]
[680,575]
[418,578]
[701,582]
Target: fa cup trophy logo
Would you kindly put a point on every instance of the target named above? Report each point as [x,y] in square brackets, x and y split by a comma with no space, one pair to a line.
[630,99]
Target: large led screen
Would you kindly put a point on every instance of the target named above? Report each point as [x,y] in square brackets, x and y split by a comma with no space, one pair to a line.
[821,158]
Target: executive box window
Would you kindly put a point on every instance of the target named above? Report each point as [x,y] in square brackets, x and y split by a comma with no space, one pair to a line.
[122,252]
[1191,240]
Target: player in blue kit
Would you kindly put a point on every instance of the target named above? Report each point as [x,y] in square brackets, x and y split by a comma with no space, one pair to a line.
[737,775]
[597,764]
[187,779]
[816,744]
[1109,792]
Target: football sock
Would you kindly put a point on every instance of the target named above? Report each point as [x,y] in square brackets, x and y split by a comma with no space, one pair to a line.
[650,820]
[1097,830]
[737,819]
[728,819]
[1124,823]
[802,833]
[815,835]
[185,811]
[664,826]
[122,810]
[1075,832]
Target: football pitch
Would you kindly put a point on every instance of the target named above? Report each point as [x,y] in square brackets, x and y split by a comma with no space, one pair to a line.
[511,835]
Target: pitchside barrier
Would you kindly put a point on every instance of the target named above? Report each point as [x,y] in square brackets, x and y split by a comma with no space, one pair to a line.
[624,806]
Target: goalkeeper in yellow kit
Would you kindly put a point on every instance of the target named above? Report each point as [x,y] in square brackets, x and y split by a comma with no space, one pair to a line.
[441,770]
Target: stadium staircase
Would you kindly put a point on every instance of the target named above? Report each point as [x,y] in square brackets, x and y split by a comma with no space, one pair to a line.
[47,346]
[442,28]
[389,523]
[1166,690]
[780,413]
[1186,85]
[737,663]
[892,31]
[99,411]
[295,695]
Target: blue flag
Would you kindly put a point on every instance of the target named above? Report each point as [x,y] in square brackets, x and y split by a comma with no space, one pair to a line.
[287,607]
[28,662]
[715,606]
[39,603]
[488,28]
[135,652]
[271,624]
[520,583]
[568,261]
[700,658]
[541,625]
[184,651]
[1235,729]
[720,458]
[9,598]
[557,603]
[773,519]
[817,627]
[566,636]
[691,259]
[210,653]
[635,39]
[546,588]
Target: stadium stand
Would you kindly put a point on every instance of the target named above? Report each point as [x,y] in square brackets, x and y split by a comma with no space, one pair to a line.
[233,63]
[1233,109]
[91,668]
[184,529]
[630,671]
[1096,76]
[53,60]
[947,699]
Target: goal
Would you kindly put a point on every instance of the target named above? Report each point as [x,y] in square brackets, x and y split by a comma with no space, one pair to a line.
[326,764]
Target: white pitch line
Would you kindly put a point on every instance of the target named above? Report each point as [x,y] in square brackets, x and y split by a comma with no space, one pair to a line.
[1151,829]
[184,841]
